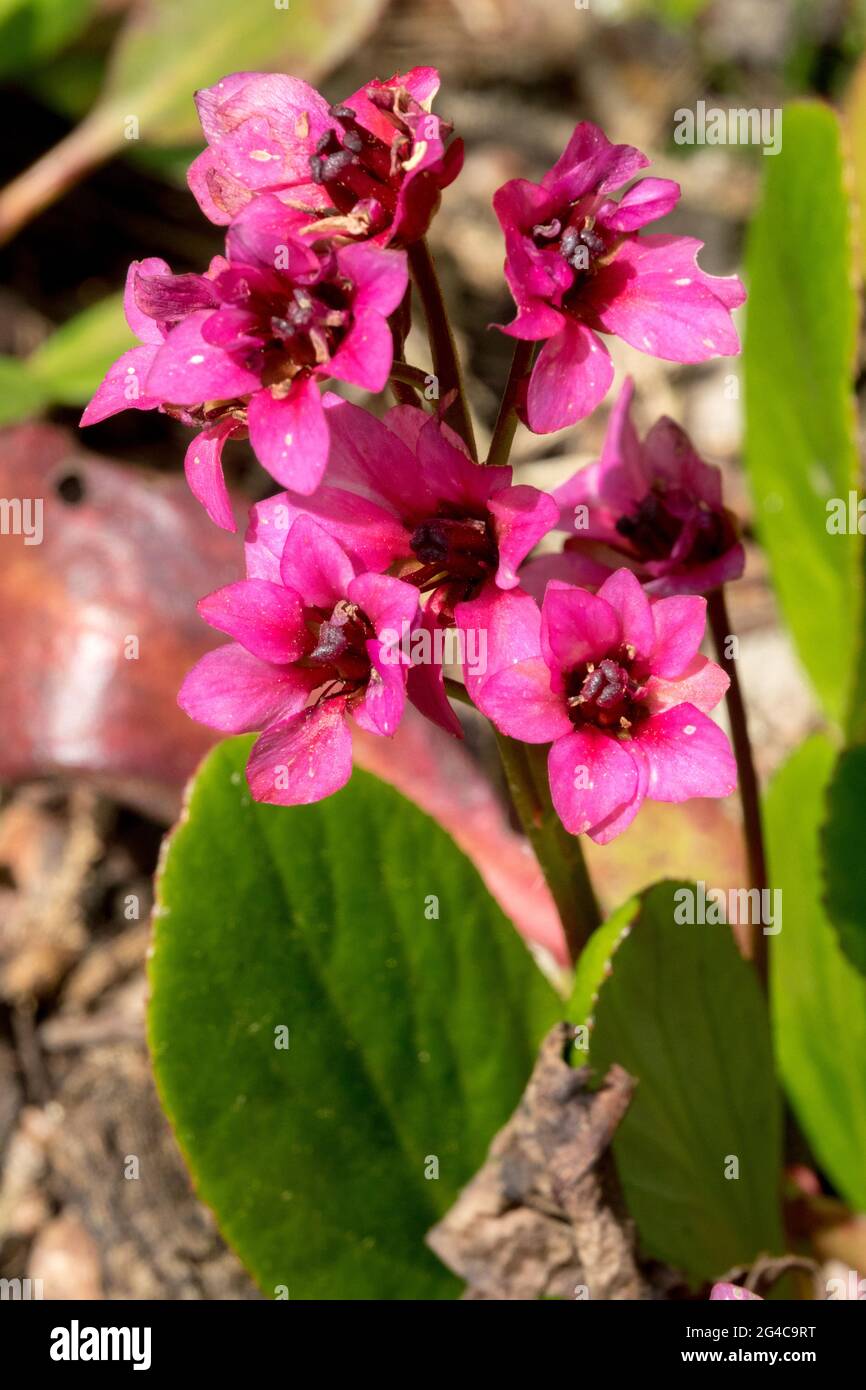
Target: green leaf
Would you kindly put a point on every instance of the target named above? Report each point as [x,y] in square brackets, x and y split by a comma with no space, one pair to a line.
[800,354]
[843,860]
[20,395]
[32,30]
[819,998]
[72,362]
[170,48]
[679,1008]
[411,1036]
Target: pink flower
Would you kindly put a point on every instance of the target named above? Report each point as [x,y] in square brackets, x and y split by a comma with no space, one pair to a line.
[732,1291]
[616,685]
[401,493]
[576,268]
[313,646]
[656,505]
[242,349]
[371,166]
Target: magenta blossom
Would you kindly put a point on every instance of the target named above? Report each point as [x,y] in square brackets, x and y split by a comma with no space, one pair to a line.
[312,647]
[371,166]
[242,349]
[616,685]
[722,1292]
[576,267]
[402,494]
[655,506]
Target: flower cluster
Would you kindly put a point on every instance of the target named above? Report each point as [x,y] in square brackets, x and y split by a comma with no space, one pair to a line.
[386,529]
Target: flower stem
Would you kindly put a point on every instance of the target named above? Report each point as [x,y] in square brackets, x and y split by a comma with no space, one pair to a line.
[506,420]
[403,387]
[405,375]
[446,362]
[559,854]
[747,777]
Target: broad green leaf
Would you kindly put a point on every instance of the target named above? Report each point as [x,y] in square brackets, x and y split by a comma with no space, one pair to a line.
[843,861]
[679,1008]
[819,998]
[411,1035]
[20,395]
[31,30]
[72,362]
[170,48]
[801,342]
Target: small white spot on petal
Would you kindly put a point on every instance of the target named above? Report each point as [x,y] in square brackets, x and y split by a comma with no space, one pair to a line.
[262,155]
[685,281]
[196,359]
[288,440]
[689,729]
[708,342]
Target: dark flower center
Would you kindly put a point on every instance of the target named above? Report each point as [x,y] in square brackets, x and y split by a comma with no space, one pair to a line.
[607,694]
[656,526]
[453,547]
[338,646]
[308,329]
[355,167]
[579,244]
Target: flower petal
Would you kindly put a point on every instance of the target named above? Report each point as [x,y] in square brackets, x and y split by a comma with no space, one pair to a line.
[577,627]
[590,162]
[510,622]
[265,618]
[370,535]
[368,458]
[702,684]
[387,602]
[572,374]
[233,691]
[384,700]
[625,595]
[680,624]
[365,354]
[425,687]
[614,485]
[303,759]
[123,387]
[688,755]
[570,567]
[380,277]
[314,565]
[188,370]
[142,324]
[204,473]
[654,295]
[592,778]
[521,516]
[645,202]
[519,702]
[289,436]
